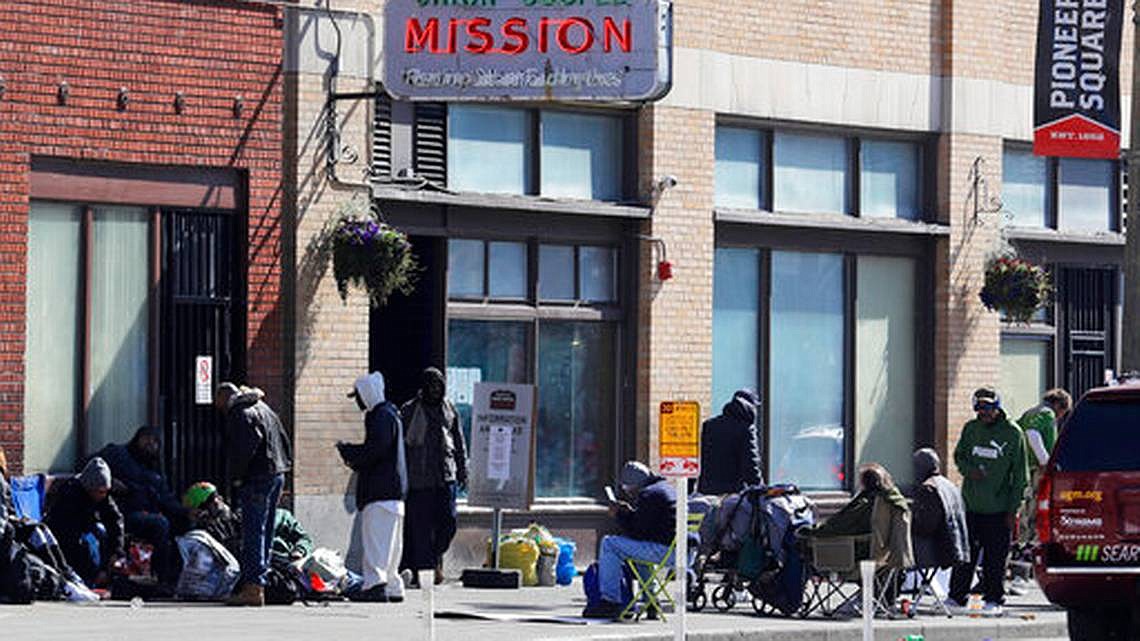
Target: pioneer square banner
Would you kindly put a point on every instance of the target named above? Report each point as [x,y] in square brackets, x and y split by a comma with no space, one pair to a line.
[1076,102]
[501,50]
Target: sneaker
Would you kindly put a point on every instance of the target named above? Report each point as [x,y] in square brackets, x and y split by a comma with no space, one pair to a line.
[250,595]
[603,610]
[1019,587]
[991,609]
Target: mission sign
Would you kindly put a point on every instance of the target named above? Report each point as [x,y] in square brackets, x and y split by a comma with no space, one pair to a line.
[532,50]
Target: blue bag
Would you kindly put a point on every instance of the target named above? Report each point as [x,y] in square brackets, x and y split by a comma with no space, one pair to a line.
[591,584]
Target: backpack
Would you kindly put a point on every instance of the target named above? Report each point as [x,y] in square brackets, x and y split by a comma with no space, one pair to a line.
[592,585]
[281,587]
[27,578]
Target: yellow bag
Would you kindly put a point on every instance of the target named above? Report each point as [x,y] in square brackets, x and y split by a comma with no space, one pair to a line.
[520,554]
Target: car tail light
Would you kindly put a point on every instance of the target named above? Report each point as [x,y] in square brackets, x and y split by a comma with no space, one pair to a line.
[1044,497]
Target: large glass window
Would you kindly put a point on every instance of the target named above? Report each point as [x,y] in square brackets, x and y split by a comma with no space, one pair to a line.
[483,351]
[1024,191]
[740,169]
[116,358]
[576,379]
[888,179]
[556,273]
[507,270]
[806,369]
[465,268]
[885,366]
[1086,194]
[597,268]
[1070,194]
[1024,372]
[488,149]
[558,154]
[736,322]
[502,265]
[52,349]
[811,173]
[119,325]
[581,156]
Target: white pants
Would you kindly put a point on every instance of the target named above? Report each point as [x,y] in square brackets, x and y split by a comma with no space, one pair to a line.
[382,535]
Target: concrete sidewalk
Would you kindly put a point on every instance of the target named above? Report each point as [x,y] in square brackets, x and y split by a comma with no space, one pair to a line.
[1026,618]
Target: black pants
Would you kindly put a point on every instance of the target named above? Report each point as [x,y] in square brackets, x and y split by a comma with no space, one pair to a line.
[989,537]
[429,526]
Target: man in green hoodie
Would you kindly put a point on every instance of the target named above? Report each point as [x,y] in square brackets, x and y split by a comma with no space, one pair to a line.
[991,456]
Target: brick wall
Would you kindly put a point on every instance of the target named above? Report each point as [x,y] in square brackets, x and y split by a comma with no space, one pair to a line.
[212,51]
[675,343]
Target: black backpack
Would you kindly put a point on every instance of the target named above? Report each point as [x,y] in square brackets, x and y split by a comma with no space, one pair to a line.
[281,587]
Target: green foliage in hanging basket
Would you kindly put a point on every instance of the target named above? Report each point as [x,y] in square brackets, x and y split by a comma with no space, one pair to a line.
[372,255]
[1015,287]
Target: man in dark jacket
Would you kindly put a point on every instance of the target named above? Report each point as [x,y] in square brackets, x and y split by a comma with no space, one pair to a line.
[88,524]
[647,528]
[730,450]
[259,457]
[437,471]
[150,510]
[381,484]
[938,524]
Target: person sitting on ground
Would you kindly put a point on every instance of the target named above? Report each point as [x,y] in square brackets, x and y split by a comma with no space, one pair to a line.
[209,511]
[938,526]
[88,524]
[150,509]
[646,521]
[730,451]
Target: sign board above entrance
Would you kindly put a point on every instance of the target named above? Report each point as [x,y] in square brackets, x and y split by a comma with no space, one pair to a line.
[528,50]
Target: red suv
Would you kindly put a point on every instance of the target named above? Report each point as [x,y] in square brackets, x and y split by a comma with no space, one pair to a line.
[1088,516]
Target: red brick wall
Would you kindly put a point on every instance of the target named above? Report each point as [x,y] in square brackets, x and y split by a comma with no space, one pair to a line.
[212,51]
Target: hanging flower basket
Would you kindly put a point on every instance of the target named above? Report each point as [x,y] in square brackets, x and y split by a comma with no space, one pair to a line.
[1015,287]
[372,255]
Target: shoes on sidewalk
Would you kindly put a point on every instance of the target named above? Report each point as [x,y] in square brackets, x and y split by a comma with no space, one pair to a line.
[250,595]
[603,610]
[374,594]
[991,609]
[1019,587]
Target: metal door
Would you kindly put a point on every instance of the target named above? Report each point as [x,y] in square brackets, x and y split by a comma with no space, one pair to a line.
[202,315]
[1087,298]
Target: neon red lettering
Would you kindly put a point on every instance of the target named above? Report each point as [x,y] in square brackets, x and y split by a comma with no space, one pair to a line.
[479,41]
[452,35]
[563,35]
[416,36]
[624,37]
[515,37]
[543,37]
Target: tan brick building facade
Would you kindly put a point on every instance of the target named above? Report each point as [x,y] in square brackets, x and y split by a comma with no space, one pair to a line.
[952,76]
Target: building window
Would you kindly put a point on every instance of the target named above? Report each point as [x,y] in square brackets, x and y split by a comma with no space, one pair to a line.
[1068,194]
[830,342]
[564,338]
[104,343]
[1025,371]
[813,173]
[550,153]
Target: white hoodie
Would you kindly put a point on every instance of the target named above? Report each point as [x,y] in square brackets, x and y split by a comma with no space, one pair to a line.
[370,389]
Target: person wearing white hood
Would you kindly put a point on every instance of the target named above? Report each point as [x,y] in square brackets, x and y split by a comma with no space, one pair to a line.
[381,485]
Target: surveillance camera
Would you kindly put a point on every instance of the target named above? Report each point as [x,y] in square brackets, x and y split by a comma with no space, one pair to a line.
[668,182]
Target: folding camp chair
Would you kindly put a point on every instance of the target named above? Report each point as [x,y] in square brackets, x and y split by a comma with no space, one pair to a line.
[651,585]
[835,582]
[925,586]
[28,494]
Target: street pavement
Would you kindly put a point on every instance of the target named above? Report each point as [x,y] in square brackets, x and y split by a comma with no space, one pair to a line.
[1027,618]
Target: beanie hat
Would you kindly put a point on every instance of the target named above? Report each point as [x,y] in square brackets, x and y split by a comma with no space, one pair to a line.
[96,475]
[198,494]
[634,474]
[926,463]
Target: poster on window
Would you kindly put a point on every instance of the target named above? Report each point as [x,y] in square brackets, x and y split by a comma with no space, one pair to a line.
[1076,101]
[501,470]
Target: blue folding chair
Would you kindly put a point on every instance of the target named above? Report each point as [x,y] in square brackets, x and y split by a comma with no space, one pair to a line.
[28,496]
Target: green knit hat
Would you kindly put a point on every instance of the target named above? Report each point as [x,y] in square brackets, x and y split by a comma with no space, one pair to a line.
[198,494]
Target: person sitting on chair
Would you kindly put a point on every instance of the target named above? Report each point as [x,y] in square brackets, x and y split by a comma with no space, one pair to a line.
[880,510]
[646,521]
[939,516]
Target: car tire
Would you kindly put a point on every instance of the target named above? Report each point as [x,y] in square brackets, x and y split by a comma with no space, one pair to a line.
[1099,624]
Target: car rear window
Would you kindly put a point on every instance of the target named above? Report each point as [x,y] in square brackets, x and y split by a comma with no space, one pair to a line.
[1101,436]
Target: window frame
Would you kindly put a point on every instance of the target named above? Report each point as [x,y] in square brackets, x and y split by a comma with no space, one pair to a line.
[628,149]
[925,187]
[850,246]
[1053,213]
[534,311]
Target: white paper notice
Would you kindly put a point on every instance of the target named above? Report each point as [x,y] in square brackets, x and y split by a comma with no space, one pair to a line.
[499,455]
[204,380]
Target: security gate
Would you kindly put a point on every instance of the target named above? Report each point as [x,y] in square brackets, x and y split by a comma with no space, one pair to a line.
[202,314]
[1087,304]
